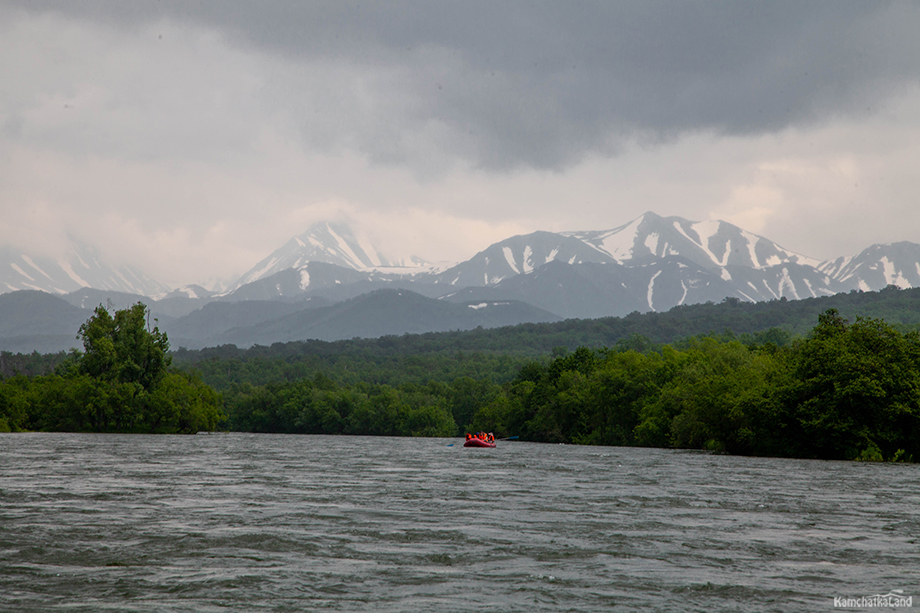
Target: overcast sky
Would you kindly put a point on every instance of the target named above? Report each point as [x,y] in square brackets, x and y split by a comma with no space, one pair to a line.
[191,139]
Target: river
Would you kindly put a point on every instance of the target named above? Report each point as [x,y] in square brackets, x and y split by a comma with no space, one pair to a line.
[245,522]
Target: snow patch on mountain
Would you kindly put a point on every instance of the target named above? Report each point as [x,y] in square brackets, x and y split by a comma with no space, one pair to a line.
[35,266]
[810,288]
[620,243]
[527,261]
[66,267]
[651,290]
[892,275]
[787,284]
[509,257]
[19,269]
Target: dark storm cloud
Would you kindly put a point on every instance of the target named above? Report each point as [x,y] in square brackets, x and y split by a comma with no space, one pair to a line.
[511,84]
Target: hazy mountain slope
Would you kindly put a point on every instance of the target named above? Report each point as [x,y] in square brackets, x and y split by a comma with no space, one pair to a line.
[754,267]
[320,279]
[294,283]
[38,321]
[590,290]
[33,312]
[790,281]
[216,318]
[80,267]
[381,313]
[89,298]
[649,264]
[560,288]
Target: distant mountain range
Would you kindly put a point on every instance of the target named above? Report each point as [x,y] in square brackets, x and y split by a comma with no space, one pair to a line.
[331,283]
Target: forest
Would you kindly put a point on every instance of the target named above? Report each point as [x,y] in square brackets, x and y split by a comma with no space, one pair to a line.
[839,390]
[846,391]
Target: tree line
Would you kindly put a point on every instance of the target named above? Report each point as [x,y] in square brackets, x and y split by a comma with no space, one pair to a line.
[843,391]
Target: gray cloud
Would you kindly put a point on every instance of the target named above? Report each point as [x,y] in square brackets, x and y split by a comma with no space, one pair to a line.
[507,85]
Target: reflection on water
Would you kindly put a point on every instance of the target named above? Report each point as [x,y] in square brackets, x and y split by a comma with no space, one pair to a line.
[295,523]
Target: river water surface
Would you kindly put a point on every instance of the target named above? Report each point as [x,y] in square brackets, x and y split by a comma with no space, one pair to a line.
[242,522]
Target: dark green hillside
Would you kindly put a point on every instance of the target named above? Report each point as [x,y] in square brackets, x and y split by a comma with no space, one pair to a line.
[31,313]
[215,317]
[32,319]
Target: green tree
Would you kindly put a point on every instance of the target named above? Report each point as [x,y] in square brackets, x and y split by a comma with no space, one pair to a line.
[123,348]
[14,403]
[857,389]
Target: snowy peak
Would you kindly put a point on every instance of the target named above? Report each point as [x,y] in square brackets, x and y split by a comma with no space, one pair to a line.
[710,244]
[339,245]
[326,242]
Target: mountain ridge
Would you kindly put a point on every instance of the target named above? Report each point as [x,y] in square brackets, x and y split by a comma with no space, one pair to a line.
[652,263]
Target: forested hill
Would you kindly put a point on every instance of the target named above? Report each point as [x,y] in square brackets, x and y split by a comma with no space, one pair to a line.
[900,308]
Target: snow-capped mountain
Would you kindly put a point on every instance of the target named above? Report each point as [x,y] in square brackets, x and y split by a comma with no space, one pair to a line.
[650,263]
[716,246]
[80,267]
[330,243]
[318,284]
[710,244]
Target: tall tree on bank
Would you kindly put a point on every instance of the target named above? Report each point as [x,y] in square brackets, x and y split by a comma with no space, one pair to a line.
[123,348]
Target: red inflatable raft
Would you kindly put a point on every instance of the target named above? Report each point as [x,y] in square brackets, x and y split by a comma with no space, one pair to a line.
[478,442]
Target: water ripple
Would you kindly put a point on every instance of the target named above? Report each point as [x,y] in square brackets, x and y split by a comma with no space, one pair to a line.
[291,523]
